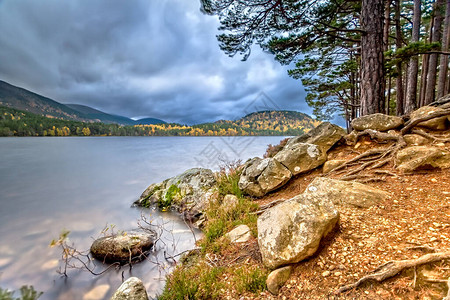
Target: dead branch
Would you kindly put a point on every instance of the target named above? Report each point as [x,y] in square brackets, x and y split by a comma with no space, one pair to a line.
[412,123]
[392,268]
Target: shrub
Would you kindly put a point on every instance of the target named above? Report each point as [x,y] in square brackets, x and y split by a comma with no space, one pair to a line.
[272,150]
[228,179]
[250,279]
[26,293]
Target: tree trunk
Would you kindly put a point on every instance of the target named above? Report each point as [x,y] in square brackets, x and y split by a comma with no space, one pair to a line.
[398,45]
[413,70]
[443,68]
[372,57]
[433,62]
[386,30]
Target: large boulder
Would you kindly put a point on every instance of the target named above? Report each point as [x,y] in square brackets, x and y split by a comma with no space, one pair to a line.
[415,140]
[260,176]
[301,157]
[123,247]
[325,136]
[131,289]
[379,122]
[436,123]
[422,157]
[345,193]
[189,192]
[292,230]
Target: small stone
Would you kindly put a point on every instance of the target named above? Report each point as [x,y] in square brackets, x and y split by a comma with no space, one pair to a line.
[337,273]
[51,264]
[277,279]
[326,273]
[434,180]
[131,289]
[240,234]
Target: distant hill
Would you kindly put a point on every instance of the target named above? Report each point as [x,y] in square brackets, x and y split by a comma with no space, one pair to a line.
[22,99]
[149,121]
[18,98]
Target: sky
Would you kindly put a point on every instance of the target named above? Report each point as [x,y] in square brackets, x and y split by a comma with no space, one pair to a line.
[138,58]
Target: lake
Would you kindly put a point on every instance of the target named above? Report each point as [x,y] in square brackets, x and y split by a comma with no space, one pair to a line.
[83,184]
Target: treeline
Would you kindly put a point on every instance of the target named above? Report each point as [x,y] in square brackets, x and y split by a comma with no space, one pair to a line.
[20,123]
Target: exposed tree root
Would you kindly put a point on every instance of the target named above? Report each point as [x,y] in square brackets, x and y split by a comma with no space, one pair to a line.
[429,136]
[413,122]
[392,268]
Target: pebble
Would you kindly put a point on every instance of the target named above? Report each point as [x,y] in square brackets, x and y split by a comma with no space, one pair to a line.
[326,273]
[51,264]
[337,273]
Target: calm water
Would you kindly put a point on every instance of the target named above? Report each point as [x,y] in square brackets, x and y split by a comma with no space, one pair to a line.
[85,184]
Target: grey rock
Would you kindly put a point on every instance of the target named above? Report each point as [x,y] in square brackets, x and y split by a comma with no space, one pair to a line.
[379,122]
[292,230]
[436,123]
[345,193]
[239,234]
[277,279]
[422,157]
[189,192]
[301,157]
[123,247]
[326,135]
[260,176]
[131,289]
[229,203]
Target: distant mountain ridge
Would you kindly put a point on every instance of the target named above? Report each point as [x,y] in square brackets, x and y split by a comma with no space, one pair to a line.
[22,99]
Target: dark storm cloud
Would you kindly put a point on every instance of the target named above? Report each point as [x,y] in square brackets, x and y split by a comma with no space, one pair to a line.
[137,59]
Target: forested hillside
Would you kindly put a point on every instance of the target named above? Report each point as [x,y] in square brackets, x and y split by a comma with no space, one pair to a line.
[20,123]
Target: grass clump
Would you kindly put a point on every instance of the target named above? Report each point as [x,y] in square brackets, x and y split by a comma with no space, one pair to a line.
[228,179]
[272,150]
[197,282]
[249,279]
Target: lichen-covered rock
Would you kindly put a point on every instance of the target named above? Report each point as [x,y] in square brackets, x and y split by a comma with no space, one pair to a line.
[332,164]
[379,122]
[301,157]
[422,157]
[189,192]
[436,123]
[260,176]
[326,135]
[415,140]
[277,279]
[123,247]
[239,234]
[131,289]
[292,230]
[345,193]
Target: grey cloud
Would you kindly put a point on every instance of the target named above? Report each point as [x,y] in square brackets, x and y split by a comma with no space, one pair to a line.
[135,58]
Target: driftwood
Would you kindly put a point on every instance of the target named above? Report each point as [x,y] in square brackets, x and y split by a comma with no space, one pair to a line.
[392,268]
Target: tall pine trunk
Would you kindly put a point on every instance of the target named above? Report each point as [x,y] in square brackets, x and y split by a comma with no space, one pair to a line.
[398,45]
[433,61]
[413,70]
[443,68]
[372,57]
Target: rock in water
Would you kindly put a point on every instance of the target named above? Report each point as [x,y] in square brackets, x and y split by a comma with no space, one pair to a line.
[123,247]
[260,176]
[277,279]
[379,122]
[292,230]
[417,157]
[301,157]
[346,193]
[189,192]
[436,123]
[131,289]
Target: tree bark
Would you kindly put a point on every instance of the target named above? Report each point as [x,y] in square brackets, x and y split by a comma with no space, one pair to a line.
[398,45]
[413,70]
[372,57]
[443,68]
[433,62]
